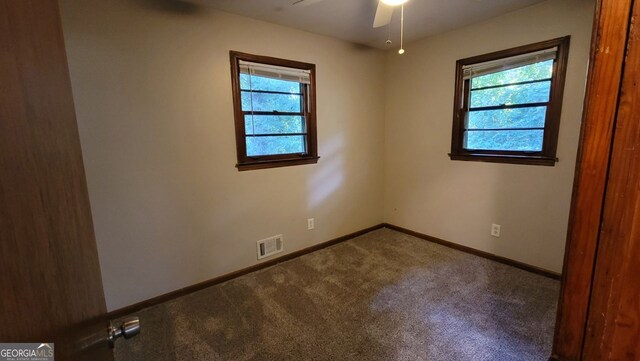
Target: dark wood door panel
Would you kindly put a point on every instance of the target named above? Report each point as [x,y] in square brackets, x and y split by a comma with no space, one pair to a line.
[50,280]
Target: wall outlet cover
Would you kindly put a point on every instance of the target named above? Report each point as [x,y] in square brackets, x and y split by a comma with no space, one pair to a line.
[495,230]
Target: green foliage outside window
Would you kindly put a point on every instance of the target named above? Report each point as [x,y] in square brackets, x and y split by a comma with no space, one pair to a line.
[520,128]
[273,133]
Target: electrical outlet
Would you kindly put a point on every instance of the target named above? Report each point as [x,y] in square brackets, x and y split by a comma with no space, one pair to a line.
[310,223]
[495,230]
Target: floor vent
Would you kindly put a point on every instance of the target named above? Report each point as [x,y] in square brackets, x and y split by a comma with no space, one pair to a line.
[269,246]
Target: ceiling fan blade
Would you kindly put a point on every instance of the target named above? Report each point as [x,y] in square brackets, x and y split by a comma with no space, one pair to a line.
[383,15]
[305,2]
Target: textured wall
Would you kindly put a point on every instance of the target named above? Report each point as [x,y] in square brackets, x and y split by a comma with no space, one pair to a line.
[456,200]
[152,88]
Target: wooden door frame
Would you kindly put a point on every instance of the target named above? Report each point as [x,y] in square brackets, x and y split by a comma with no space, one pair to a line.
[613,325]
[608,47]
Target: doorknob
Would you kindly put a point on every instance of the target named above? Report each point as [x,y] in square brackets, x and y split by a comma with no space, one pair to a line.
[128,329]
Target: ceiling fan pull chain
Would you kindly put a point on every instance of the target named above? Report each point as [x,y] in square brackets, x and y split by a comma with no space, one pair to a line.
[401,51]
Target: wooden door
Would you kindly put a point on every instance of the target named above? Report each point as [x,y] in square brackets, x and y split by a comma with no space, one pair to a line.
[613,329]
[50,283]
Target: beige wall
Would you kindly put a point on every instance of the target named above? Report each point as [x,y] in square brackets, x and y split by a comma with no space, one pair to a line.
[152,90]
[456,200]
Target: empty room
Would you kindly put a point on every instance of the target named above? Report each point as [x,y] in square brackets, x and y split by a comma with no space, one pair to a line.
[319,180]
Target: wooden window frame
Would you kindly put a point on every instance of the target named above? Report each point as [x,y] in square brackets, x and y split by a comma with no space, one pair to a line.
[547,156]
[276,160]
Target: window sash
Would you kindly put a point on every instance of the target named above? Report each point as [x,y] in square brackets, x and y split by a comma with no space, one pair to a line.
[268,92]
[466,110]
[524,117]
[303,113]
[303,136]
[477,141]
[525,59]
[277,114]
[507,106]
[466,128]
[511,84]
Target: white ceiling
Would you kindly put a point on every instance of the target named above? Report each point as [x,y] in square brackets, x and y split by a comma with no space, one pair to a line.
[352,20]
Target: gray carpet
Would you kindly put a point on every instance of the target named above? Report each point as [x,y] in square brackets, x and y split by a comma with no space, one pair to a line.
[381,296]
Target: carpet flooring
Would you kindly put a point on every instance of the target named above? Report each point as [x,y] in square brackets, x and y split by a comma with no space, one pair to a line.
[381,296]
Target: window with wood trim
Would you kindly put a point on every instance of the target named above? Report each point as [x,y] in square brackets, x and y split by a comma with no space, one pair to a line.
[274,109]
[507,104]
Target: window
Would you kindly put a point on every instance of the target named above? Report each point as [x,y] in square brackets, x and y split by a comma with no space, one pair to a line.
[274,108]
[507,104]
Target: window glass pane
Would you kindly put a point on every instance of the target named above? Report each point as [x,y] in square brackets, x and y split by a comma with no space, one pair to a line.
[512,94]
[533,117]
[273,124]
[541,70]
[265,102]
[270,145]
[510,140]
[254,82]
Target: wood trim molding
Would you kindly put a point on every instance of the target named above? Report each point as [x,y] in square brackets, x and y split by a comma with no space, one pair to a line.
[476,252]
[276,163]
[613,323]
[608,44]
[229,276]
[510,159]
